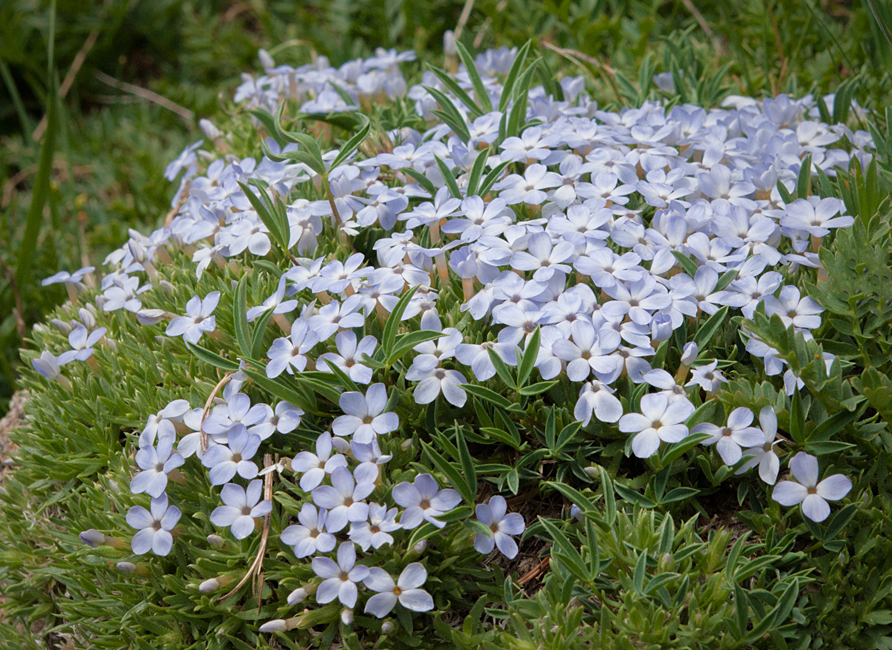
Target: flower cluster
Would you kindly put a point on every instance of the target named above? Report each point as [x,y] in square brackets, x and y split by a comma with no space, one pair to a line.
[587,241]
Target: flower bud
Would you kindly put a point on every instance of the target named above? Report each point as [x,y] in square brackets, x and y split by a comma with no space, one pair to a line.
[661,328]
[449,48]
[591,471]
[209,585]
[689,354]
[210,131]
[406,445]
[216,541]
[576,513]
[87,317]
[150,316]
[266,59]
[667,562]
[346,616]
[126,567]
[278,625]
[420,546]
[60,325]
[92,538]
[168,287]
[297,596]
[387,627]
[340,444]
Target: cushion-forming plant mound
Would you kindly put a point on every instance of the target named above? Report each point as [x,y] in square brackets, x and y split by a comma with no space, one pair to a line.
[396,339]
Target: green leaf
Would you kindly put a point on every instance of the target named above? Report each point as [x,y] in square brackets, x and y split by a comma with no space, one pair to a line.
[268,214]
[708,330]
[240,316]
[741,610]
[725,279]
[570,556]
[448,177]
[797,418]
[450,114]
[486,394]
[343,379]
[634,497]
[258,334]
[575,496]
[40,195]
[457,90]
[407,341]
[528,361]
[803,182]
[840,520]
[567,434]
[461,485]
[511,79]
[492,177]
[640,573]
[689,442]
[476,172]
[502,369]
[607,488]
[479,89]
[422,180]
[467,462]
[212,358]
[422,533]
[679,494]
[819,448]
[538,388]
[689,265]
[353,143]
[393,321]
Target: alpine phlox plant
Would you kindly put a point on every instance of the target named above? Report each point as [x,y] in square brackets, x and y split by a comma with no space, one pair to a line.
[489,294]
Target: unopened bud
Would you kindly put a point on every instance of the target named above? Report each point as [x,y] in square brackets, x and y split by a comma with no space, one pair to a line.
[210,131]
[667,562]
[126,567]
[88,318]
[865,498]
[150,316]
[591,470]
[689,354]
[297,596]
[216,541]
[449,48]
[209,585]
[346,616]
[576,513]
[60,325]
[266,59]
[92,538]
[387,627]
[420,546]
[278,625]
[341,445]
[168,287]
[406,445]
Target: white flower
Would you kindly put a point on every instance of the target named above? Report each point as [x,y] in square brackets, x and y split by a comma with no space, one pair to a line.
[156,465]
[309,537]
[423,500]
[406,591]
[316,466]
[374,532]
[349,357]
[364,416]
[225,460]
[341,578]
[343,498]
[764,455]
[436,381]
[241,508]
[198,318]
[707,377]
[81,343]
[597,397]
[658,420]
[155,526]
[289,354]
[729,439]
[502,526]
[812,495]
[47,365]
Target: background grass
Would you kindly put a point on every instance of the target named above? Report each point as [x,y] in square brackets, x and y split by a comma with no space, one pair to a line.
[111,145]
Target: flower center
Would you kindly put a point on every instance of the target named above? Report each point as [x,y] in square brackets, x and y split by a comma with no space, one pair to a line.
[397,591]
[236,458]
[425,504]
